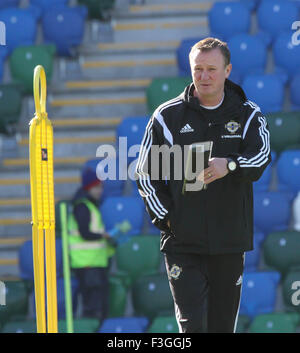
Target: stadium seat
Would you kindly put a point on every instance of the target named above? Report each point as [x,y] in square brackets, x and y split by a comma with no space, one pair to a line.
[111,173]
[45,5]
[242,324]
[263,183]
[124,325]
[61,306]
[98,9]
[288,169]
[272,210]
[10,107]
[64,27]
[144,254]
[275,323]
[291,290]
[162,89]
[251,4]
[26,260]
[28,326]
[117,296]
[115,210]
[294,92]
[274,17]
[151,296]
[133,129]
[182,55]
[284,130]
[281,250]
[164,324]
[9,3]
[24,59]
[83,325]
[3,55]
[286,55]
[252,257]
[228,18]
[267,91]
[259,293]
[16,301]
[21,26]
[248,54]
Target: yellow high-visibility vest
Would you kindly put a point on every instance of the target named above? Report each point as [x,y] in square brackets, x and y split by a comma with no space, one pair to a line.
[88,253]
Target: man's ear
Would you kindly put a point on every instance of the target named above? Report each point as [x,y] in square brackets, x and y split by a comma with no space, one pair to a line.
[228,70]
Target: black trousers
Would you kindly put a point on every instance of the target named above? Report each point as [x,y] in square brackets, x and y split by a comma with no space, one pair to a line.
[206,290]
[94,290]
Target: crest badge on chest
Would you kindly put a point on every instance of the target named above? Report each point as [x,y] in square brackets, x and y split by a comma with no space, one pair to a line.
[232,126]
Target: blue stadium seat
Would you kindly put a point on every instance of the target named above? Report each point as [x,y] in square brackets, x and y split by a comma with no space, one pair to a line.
[263,183]
[252,257]
[64,27]
[109,171]
[26,260]
[182,55]
[288,169]
[228,18]
[295,92]
[251,4]
[118,209]
[259,293]
[3,55]
[134,129]
[21,26]
[124,325]
[61,313]
[272,210]
[45,5]
[276,16]
[248,54]
[9,3]
[286,55]
[267,91]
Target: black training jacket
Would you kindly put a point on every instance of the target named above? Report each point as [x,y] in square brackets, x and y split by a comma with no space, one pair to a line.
[219,219]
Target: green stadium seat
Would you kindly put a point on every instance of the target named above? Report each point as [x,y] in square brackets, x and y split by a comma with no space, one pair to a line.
[164,324]
[138,256]
[117,296]
[20,327]
[242,324]
[83,325]
[284,130]
[98,9]
[275,323]
[24,59]
[163,89]
[281,250]
[16,301]
[291,290]
[151,296]
[10,107]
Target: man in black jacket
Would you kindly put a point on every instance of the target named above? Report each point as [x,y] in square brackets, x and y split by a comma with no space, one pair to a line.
[204,234]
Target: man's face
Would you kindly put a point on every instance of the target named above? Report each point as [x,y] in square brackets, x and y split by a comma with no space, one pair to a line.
[96,191]
[209,73]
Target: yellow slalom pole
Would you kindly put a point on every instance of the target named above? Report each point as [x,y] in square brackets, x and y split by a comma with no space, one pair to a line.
[43,207]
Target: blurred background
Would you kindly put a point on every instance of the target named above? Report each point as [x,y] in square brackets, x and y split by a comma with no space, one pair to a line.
[109,64]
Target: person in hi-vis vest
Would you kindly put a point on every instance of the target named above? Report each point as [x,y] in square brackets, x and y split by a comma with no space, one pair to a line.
[90,247]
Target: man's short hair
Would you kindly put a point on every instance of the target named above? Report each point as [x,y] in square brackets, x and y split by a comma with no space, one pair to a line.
[208,44]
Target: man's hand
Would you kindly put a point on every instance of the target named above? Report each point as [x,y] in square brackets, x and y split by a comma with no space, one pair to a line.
[106,236]
[217,169]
